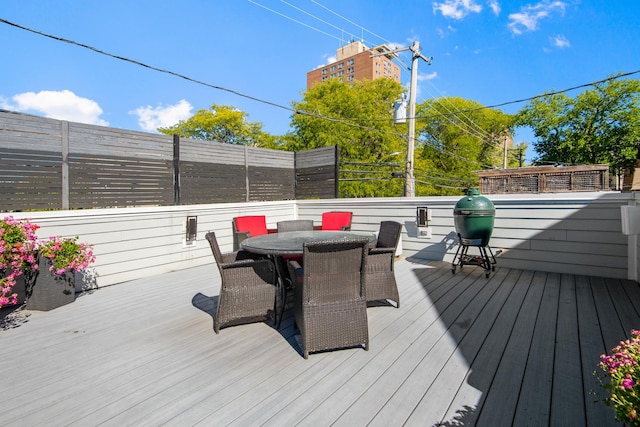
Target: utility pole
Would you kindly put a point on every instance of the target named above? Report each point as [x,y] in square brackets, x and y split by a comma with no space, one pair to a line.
[504,148]
[410,184]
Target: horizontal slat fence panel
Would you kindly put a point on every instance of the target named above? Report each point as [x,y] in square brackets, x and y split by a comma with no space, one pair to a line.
[105,181]
[30,180]
[271,183]
[316,174]
[99,140]
[195,150]
[212,183]
[29,132]
[53,164]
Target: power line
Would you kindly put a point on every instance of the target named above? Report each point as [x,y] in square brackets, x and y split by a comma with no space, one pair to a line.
[294,20]
[161,70]
[341,120]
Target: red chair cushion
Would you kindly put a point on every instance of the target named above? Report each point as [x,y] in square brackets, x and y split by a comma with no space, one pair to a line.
[256,225]
[336,220]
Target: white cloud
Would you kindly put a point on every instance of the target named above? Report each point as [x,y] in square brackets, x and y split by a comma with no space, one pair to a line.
[443,33]
[61,105]
[150,118]
[560,41]
[529,16]
[457,9]
[426,77]
[494,6]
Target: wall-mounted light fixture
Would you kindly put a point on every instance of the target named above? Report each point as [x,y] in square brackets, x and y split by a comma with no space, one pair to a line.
[423,216]
[191,229]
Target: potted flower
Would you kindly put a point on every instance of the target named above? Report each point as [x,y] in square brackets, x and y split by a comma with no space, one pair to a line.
[59,258]
[620,376]
[17,243]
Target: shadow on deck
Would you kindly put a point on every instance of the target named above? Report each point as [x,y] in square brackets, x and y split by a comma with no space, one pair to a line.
[518,348]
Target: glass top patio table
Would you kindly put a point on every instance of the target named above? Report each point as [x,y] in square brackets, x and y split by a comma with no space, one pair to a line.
[292,242]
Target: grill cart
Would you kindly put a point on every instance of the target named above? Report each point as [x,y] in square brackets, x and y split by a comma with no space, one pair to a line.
[474,217]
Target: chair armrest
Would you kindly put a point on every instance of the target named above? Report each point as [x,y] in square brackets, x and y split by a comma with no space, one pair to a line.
[247,263]
[238,237]
[295,271]
[375,251]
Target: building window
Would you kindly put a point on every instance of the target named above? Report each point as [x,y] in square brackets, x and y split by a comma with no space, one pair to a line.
[350,78]
[341,65]
[333,68]
[324,71]
[350,62]
[350,70]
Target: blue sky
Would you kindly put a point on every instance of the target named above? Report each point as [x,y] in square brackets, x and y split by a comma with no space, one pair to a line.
[259,51]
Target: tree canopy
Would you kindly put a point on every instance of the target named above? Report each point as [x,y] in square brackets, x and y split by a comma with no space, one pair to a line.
[222,123]
[358,118]
[457,136]
[599,125]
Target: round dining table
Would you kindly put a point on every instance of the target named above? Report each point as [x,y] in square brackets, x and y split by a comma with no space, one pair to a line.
[283,245]
[292,242]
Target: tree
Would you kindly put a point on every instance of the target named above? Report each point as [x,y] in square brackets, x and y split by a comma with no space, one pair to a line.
[358,118]
[456,136]
[600,125]
[223,123]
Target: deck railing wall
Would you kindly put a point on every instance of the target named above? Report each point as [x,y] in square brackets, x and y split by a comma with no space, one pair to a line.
[577,233]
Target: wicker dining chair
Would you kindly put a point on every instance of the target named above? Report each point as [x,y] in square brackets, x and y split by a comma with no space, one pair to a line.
[330,306]
[248,289]
[336,221]
[295,225]
[247,226]
[379,276]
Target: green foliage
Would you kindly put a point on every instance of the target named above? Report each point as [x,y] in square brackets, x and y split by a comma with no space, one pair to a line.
[223,123]
[600,125]
[358,118]
[455,137]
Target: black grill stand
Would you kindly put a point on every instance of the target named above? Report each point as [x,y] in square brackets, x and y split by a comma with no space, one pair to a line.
[486,259]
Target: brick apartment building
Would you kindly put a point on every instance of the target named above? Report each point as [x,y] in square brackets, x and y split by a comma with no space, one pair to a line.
[355,62]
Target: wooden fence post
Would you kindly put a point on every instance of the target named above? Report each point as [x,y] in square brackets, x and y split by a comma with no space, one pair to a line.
[176,170]
[246,172]
[64,136]
[337,171]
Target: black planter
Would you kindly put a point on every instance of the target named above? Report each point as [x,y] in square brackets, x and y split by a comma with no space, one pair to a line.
[48,290]
[18,288]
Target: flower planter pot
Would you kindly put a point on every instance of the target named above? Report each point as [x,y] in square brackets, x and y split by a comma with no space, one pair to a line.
[18,288]
[49,290]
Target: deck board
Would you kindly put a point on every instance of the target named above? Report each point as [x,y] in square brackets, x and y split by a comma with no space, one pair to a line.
[535,397]
[518,347]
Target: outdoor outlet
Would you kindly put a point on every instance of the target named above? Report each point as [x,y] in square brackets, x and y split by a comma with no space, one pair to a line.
[424,232]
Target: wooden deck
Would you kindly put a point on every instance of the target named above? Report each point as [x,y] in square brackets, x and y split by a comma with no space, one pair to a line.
[518,348]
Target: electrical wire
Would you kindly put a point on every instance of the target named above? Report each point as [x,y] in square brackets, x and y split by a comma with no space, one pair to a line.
[341,120]
[294,20]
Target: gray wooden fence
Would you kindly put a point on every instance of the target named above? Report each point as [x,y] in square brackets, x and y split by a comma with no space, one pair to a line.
[53,164]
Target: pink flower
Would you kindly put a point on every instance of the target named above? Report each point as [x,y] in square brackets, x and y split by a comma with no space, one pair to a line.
[628,382]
